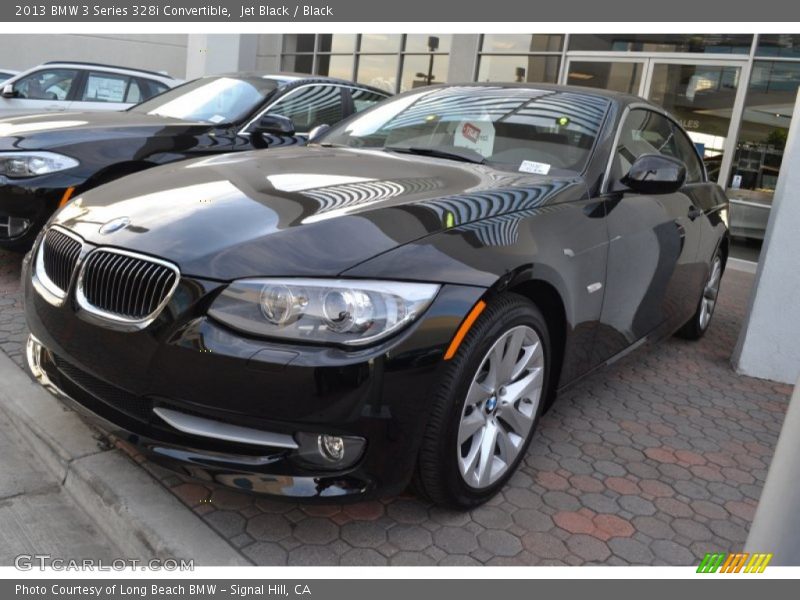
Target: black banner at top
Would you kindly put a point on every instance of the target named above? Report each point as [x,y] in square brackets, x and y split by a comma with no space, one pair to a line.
[605,11]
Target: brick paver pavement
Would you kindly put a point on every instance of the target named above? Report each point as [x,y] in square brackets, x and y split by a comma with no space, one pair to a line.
[656,460]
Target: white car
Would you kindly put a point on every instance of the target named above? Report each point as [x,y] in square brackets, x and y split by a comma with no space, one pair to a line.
[79,86]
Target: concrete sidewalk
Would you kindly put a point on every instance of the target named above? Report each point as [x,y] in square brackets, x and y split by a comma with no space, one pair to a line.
[36,515]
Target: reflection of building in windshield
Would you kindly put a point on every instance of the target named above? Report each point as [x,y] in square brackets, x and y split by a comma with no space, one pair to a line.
[541,108]
[516,127]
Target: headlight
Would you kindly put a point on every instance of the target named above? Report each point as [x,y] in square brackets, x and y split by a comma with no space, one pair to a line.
[30,164]
[350,312]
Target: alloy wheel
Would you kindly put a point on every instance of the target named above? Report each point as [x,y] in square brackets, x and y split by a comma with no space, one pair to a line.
[710,293]
[501,406]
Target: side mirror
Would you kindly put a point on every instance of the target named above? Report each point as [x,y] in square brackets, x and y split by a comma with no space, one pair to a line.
[8,91]
[317,131]
[655,174]
[275,125]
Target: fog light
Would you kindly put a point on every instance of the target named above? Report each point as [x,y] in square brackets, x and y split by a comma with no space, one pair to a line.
[327,451]
[331,447]
[12,227]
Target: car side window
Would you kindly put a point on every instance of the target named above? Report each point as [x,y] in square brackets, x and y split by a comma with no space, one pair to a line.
[645,132]
[364,99]
[106,87]
[310,106]
[156,87]
[686,152]
[134,93]
[47,84]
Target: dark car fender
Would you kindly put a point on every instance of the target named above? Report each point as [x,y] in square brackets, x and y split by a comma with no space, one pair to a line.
[555,255]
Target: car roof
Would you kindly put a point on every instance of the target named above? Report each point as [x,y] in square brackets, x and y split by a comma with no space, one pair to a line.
[292,79]
[79,63]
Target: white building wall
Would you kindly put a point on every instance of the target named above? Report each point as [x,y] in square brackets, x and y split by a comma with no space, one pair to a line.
[152,52]
[769,343]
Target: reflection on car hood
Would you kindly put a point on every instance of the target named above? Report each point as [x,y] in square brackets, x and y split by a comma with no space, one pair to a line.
[300,211]
[51,130]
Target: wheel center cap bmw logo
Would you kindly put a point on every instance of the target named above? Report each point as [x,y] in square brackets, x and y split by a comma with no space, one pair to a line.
[491,404]
[115,225]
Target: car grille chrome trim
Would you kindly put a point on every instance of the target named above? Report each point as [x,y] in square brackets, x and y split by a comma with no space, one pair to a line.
[124,290]
[209,428]
[57,259]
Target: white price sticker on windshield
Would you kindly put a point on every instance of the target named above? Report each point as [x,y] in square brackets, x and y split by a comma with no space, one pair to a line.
[531,166]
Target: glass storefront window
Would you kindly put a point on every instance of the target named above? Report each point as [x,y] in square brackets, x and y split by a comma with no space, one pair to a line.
[522,43]
[418,67]
[633,42]
[378,70]
[337,42]
[380,42]
[297,63]
[782,45]
[335,65]
[765,126]
[617,76]
[523,68]
[298,42]
[419,43]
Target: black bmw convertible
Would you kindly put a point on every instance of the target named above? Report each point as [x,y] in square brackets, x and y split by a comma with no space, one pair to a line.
[397,302]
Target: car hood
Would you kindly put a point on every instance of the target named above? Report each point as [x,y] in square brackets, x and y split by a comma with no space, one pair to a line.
[302,211]
[52,130]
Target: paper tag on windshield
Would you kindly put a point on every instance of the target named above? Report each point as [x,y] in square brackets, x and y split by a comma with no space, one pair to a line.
[217,119]
[531,166]
[475,135]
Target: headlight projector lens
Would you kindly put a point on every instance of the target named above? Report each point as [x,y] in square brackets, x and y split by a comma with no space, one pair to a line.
[347,310]
[280,305]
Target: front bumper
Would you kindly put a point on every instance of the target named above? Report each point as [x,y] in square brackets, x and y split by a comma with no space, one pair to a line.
[27,204]
[187,363]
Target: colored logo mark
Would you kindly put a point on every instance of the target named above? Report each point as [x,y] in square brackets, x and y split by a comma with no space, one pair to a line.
[741,562]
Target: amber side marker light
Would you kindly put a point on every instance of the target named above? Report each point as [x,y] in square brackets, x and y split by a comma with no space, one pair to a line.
[67,195]
[465,326]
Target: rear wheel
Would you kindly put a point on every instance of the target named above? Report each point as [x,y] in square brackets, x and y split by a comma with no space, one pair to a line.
[486,410]
[697,326]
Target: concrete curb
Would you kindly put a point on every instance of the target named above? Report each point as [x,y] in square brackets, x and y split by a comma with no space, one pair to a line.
[142,518]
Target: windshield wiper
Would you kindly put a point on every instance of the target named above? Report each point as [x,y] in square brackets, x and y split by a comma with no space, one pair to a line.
[462,154]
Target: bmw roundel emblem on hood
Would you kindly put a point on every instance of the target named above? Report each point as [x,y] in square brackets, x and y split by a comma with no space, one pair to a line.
[115,225]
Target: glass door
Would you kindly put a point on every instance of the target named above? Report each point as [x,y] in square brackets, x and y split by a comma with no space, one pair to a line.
[702,96]
[701,93]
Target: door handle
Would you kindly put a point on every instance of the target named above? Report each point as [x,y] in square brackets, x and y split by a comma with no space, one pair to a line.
[694,212]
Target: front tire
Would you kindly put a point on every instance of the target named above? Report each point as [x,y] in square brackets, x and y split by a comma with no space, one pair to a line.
[487,407]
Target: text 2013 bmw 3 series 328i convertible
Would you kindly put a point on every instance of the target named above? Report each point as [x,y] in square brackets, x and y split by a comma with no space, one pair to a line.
[395,303]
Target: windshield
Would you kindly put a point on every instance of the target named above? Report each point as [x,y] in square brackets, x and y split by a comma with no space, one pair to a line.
[520,129]
[211,99]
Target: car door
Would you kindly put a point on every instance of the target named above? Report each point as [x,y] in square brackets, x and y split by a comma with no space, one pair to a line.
[44,90]
[307,106]
[107,91]
[654,239]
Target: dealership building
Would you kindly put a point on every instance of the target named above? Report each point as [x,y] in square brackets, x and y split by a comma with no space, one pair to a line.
[734,93]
